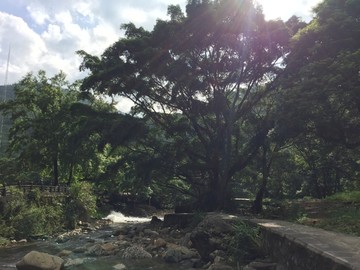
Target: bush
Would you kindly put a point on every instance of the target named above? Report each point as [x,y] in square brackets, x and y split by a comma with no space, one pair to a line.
[81,204]
[35,221]
[245,245]
[23,216]
[35,215]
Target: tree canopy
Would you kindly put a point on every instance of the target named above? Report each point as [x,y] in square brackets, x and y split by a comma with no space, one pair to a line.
[211,67]
[322,75]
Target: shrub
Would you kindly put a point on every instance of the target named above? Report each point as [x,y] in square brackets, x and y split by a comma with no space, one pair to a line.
[81,204]
[245,244]
[35,221]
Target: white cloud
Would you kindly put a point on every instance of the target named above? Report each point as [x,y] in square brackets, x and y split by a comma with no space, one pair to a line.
[27,47]
[38,15]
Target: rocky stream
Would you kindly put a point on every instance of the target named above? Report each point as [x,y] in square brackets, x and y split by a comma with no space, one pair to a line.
[121,242]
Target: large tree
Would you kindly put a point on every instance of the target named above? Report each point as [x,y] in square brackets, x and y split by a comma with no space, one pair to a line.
[46,138]
[211,67]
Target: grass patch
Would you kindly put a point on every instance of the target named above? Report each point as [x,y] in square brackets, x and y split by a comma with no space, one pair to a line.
[341,220]
[349,197]
[339,212]
[4,241]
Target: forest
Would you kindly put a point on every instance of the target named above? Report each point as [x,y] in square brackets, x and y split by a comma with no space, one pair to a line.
[225,105]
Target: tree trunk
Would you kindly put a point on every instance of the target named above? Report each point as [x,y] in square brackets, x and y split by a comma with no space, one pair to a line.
[257,206]
[315,182]
[70,174]
[56,171]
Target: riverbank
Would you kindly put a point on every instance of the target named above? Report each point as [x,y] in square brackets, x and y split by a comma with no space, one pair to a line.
[206,243]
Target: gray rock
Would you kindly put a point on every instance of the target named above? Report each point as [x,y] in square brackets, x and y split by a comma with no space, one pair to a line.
[80,250]
[218,266]
[103,249]
[74,262]
[40,261]
[185,241]
[62,238]
[135,252]
[64,253]
[263,265]
[159,243]
[151,233]
[176,254]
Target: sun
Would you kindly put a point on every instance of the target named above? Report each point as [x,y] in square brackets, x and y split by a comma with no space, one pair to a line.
[284,9]
[276,9]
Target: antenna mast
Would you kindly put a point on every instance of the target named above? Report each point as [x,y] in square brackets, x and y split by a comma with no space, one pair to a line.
[4,98]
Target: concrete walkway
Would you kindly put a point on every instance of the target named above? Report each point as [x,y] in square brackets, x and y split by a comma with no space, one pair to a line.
[343,250]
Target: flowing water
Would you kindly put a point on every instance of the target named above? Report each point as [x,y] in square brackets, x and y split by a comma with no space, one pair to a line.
[10,255]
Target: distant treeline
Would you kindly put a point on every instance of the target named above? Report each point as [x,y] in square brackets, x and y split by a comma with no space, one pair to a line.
[6,93]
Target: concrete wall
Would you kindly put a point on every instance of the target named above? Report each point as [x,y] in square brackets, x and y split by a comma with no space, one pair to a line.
[293,254]
[297,247]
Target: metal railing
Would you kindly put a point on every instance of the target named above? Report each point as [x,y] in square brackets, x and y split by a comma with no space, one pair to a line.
[52,190]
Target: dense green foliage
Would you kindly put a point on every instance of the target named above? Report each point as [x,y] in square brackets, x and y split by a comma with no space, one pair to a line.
[245,244]
[6,93]
[37,215]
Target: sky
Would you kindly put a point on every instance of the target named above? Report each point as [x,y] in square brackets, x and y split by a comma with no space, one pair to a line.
[45,34]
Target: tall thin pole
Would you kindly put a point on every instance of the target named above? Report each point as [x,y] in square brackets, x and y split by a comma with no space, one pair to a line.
[4,98]
[7,72]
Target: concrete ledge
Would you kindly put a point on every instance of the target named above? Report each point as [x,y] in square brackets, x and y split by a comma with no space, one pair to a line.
[298,247]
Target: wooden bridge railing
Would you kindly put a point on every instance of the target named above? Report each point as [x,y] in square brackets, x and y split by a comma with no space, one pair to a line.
[54,190]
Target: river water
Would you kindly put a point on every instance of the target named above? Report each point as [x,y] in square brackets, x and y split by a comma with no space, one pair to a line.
[9,256]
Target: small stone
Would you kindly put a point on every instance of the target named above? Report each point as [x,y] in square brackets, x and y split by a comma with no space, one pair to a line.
[151,233]
[74,262]
[159,243]
[64,253]
[263,265]
[80,250]
[218,259]
[218,266]
[119,266]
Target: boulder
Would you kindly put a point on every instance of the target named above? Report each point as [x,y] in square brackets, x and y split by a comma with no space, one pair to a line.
[103,249]
[159,243]
[216,224]
[176,254]
[40,261]
[209,235]
[135,252]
